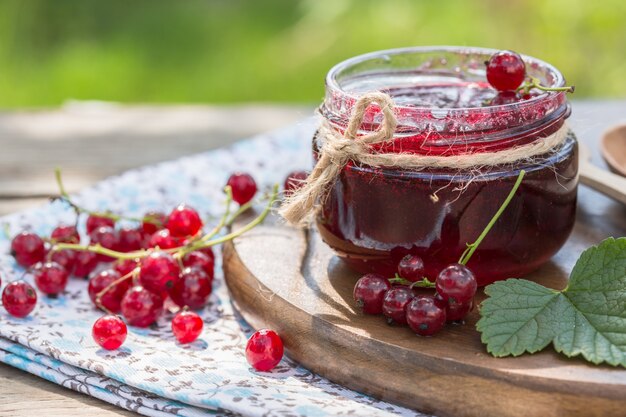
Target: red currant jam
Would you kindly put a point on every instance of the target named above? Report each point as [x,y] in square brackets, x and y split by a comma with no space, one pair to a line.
[374,216]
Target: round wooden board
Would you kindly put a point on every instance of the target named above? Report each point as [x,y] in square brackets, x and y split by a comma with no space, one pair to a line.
[289,280]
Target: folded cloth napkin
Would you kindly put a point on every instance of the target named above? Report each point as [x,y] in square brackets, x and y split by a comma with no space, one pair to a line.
[152,374]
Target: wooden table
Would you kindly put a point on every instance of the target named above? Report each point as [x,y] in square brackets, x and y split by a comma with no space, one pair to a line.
[91,141]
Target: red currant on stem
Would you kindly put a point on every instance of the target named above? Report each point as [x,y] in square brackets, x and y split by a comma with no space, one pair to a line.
[109,332]
[106,237]
[505,70]
[187,326]
[107,288]
[28,249]
[66,258]
[65,234]
[201,260]
[264,350]
[411,268]
[85,263]
[94,222]
[184,221]
[192,289]
[424,316]
[19,298]
[141,307]
[163,239]
[153,221]
[395,302]
[243,187]
[158,271]
[50,278]
[369,292]
[129,239]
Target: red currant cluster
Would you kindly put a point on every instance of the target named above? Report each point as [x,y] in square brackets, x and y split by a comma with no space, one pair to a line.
[455,285]
[402,304]
[132,271]
[506,72]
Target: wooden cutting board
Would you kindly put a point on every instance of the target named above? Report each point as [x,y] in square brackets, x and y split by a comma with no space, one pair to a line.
[289,280]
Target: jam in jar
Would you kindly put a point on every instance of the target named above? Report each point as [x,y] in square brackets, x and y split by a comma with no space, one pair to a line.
[374,216]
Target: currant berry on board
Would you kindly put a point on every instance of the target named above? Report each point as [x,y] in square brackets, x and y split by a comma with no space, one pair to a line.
[109,332]
[264,350]
[506,70]
[187,326]
[411,268]
[19,298]
[243,187]
[395,302]
[454,311]
[369,292]
[456,284]
[424,316]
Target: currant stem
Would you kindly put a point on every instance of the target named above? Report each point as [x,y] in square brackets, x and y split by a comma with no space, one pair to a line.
[535,83]
[229,199]
[424,283]
[66,197]
[471,247]
[255,222]
[101,251]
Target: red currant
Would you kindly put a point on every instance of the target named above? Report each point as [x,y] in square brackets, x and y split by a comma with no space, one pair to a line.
[369,292]
[424,316]
[294,181]
[19,298]
[243,187]
[456,284]
[264,350]
[395,302]
[158,272]
[184,221]
[65,234]
[411,268]
[94,222]
[106,237]
[86,262]
[50,278]
[141,307]
[28,249]
[187,326]
[66,258]
[153,222]
[454,311]
[505,70]
[192,289]
[164,240]
[112,299]
[129,239]
[109,332]
[201,260]
[125,266]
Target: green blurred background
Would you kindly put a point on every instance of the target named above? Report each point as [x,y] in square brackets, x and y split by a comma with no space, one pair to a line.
[225,51]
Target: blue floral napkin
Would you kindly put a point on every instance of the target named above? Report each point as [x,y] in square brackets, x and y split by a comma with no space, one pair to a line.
[152,374]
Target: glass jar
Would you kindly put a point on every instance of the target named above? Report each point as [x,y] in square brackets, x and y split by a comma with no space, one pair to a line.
[374,216]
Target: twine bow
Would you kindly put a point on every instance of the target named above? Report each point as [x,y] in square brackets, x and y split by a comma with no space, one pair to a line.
[337,151]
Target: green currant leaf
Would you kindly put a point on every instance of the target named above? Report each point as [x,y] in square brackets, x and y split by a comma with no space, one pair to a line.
[588,318]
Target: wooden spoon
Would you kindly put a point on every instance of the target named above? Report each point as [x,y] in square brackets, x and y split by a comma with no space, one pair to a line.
[613,147]
[601,180]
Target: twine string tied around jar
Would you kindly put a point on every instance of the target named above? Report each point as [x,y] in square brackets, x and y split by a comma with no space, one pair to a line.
[337,150]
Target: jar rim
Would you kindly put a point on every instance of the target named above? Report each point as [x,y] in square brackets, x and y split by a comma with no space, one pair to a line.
[333,84]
